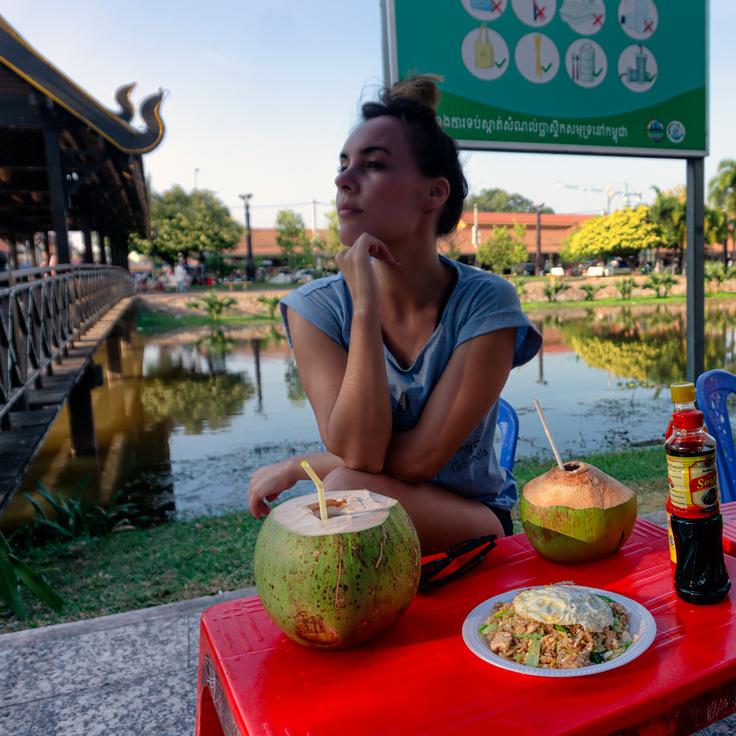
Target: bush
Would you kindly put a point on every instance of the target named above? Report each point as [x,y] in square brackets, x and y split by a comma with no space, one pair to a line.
[553,288]
[660,283]
[626,287]
[212,304]
[590,290]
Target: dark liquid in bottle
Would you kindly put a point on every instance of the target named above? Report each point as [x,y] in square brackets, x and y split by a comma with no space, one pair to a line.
[700,575]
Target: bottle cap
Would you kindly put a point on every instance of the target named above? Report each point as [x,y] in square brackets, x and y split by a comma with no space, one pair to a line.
[688,419]
[682,393]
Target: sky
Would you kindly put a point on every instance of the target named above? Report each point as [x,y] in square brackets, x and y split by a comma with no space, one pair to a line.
[261,95]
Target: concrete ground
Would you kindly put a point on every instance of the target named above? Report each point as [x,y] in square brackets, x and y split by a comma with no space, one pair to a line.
[131,674]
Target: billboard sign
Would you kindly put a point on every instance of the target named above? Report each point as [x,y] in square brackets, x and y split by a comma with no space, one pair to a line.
[622,77]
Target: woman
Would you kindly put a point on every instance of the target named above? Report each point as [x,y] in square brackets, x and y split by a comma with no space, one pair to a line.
[403,354]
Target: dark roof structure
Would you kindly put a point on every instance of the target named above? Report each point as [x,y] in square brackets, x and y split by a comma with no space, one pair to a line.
[66,161]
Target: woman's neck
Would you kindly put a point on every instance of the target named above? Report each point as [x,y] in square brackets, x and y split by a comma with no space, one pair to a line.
[420,282]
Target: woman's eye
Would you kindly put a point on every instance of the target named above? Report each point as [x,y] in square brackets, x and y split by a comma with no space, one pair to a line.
[341,168]
[374,165]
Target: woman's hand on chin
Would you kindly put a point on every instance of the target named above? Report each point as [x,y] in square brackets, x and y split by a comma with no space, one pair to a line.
[267,483]
[355,264]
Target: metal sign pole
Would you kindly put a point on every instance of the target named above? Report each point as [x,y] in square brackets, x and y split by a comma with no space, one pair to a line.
[694,265]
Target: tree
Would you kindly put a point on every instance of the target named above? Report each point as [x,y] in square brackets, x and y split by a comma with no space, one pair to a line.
[716,229]
[291,237]
[668,211]
[191,223]
[332,244]
[504,249]
[622,233]
[722,195]
[499,200]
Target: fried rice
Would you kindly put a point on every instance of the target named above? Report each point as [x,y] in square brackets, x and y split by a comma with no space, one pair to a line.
[554,646]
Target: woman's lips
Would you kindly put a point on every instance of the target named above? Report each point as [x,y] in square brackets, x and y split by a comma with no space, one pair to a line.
[347,211]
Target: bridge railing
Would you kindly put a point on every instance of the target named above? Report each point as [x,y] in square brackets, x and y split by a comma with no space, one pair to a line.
[42,311]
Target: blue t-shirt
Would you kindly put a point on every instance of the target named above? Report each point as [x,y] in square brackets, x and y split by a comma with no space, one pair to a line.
[480,302]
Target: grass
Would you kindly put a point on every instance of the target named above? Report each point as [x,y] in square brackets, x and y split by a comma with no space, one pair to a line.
[180,560]
[150,321]
[97,576]
[537,306]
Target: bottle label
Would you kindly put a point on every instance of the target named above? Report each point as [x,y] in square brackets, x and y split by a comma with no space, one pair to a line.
[693,483]
[671,539]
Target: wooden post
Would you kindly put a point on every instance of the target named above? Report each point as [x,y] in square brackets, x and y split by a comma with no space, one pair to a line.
[81,416]
[87,234]
[13,251]
[114,359]
[57,191]
[103,254]
[32,246]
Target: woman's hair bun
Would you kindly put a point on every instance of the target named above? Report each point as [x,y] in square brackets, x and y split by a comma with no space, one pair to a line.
[421,88]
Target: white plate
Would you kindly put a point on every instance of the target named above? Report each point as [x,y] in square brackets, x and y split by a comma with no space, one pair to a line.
[641,623]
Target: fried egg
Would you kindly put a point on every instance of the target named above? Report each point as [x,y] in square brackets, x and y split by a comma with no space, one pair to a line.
[566,605]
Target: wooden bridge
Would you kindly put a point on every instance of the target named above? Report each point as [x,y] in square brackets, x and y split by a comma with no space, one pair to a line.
[51,322]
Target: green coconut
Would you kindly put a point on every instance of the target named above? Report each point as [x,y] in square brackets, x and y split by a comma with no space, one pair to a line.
[577,515]
[336,583]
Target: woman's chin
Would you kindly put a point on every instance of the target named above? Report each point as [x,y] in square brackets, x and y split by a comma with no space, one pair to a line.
[348,234]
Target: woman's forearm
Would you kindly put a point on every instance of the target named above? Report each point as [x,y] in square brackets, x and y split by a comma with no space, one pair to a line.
[359,427]
[322,463]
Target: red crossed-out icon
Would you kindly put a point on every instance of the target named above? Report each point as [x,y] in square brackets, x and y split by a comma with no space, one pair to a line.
[497,6]
[539,12]
[597,20]
[649,26]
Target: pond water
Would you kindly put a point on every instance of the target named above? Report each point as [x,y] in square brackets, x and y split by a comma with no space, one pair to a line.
[185,417]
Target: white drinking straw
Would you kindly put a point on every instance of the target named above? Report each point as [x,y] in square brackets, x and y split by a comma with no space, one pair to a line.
[549,436]
[320,489]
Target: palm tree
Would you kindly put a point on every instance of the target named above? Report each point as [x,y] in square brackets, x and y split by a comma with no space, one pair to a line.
[668,211]
[716,229]
[722,196]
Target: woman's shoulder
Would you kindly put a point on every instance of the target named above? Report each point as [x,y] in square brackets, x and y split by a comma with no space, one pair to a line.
[329,288]
[475,283]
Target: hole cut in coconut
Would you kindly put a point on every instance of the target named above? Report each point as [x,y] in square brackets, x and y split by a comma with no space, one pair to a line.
[572,466]
[335,507]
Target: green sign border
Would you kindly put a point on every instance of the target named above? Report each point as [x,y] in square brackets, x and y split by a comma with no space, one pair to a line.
[470,122]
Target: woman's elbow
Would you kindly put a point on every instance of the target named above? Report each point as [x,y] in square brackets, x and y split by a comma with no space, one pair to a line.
[363,464]
[365,459]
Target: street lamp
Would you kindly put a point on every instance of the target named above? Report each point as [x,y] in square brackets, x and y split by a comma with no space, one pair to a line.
[250,266]
[538,243]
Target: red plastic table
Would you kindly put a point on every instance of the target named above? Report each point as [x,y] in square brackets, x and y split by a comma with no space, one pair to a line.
[420,678]
[729,528]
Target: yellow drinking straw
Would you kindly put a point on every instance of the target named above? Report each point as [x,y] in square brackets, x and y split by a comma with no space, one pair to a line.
[320,489]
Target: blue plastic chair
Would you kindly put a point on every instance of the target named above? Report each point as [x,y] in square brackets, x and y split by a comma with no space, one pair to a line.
[711,390]
[508,424]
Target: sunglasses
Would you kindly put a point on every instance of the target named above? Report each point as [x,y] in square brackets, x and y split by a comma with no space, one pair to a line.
[458,560]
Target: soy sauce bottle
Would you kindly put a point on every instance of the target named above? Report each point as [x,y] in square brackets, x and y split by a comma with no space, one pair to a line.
[696,525]
[683,398]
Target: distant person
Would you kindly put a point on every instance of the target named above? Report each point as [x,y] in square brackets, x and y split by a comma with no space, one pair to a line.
[180,275]
[404,354]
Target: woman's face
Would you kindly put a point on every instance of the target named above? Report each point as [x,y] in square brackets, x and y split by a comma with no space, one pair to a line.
[380,189]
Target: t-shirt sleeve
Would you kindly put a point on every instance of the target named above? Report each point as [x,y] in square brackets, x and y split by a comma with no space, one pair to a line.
[495,306]
[320,304]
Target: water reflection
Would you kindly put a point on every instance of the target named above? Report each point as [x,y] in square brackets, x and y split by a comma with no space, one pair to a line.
[184,418]
[648,344]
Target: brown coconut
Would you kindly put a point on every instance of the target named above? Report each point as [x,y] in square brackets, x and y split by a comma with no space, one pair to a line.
[577,515]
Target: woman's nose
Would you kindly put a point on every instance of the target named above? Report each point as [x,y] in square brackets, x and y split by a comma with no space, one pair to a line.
[344,180]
